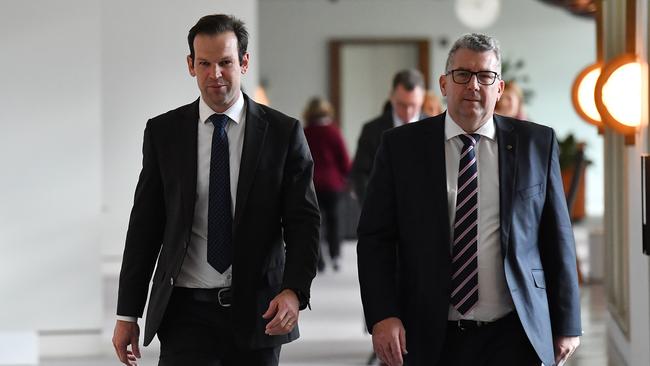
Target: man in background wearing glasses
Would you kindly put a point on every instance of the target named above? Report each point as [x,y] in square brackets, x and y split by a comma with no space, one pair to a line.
[472,207]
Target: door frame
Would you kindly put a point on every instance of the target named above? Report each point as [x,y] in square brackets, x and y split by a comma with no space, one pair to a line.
[335,46]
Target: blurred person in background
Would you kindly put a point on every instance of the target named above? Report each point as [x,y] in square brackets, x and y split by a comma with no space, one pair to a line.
[432,104]
[331,167]
[406,99]
[511,103]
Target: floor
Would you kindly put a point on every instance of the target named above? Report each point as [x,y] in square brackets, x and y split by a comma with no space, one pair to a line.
[333,333]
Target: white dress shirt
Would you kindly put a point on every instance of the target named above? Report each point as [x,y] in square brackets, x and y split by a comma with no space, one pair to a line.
[494,300]
[196,272]
[398,121]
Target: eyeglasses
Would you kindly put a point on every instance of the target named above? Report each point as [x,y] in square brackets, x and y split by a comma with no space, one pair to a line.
[464,76]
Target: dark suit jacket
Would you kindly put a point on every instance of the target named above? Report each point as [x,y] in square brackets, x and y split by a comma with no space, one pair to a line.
[366,150]
[276,205]
[405,217]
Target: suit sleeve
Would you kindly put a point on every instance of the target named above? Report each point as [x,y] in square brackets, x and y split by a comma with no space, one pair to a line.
[557,250]
[377,245]
[300,216]
[362,164]
[144,235]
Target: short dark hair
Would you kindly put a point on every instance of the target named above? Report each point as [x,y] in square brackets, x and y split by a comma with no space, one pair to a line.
[217,24]
[409,79]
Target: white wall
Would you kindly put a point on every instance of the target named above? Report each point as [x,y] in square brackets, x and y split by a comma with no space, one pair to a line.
[554,45]
[144,74]
[50,164]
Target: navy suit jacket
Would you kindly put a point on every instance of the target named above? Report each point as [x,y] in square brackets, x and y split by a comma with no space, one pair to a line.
[275,226]
[405,217]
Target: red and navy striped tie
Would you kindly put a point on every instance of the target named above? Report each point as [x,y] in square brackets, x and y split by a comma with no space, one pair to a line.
[464,265]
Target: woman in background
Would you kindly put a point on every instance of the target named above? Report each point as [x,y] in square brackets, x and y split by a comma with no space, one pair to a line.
[511,103]
[331,167]
[432,105]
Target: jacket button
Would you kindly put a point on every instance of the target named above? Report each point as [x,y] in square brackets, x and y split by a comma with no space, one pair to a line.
[171,281]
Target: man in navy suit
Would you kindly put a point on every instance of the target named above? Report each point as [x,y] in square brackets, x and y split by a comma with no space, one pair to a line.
[466,253]
[225,211]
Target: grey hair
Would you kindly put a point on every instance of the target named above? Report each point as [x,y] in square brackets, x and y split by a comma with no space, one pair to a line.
[476,42]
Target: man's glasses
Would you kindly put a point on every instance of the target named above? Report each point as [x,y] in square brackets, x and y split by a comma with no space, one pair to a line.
[464,76]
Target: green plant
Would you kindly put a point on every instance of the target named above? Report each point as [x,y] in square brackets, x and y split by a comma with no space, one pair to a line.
[511,70]
[569,149]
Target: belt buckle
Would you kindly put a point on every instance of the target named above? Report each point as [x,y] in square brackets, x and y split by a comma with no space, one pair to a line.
[222,291]
[460,325]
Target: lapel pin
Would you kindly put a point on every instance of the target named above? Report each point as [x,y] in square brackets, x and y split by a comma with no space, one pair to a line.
[509,147]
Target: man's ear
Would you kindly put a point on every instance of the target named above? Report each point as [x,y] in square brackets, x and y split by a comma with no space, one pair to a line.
[244,63]
[443,85]
[502,87]
[190,65]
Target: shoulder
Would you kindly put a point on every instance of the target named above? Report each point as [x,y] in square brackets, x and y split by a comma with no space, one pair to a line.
[525,129]
[181,113]
[426,126]
[379,124]
[272,116]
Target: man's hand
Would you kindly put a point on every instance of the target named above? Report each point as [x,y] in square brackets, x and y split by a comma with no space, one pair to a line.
[284,310]
[126,333]
[564,348]
[389,341]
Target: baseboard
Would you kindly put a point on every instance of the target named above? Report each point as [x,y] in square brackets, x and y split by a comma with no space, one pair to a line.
[71,343]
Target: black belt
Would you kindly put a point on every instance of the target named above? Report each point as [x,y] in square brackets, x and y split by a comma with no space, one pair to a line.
[221,296]
[465,324]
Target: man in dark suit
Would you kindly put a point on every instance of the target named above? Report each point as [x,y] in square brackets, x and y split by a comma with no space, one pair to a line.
[406,98]
[225,203]
[466,253]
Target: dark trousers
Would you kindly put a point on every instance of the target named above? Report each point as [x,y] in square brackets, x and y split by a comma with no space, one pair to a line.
[503,343]
[201,333]
[328,202]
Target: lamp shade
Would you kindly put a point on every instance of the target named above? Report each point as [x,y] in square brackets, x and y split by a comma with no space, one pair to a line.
[618,94]
[583,94]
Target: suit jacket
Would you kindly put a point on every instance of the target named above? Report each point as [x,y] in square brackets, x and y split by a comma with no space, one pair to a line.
[366,150]
[405,217]
[275,225]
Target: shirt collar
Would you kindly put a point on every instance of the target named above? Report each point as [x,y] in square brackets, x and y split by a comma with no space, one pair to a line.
[452,129]
[235,112]
[398,121]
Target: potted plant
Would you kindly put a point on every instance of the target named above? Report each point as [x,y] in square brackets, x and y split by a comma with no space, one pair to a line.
[573,166]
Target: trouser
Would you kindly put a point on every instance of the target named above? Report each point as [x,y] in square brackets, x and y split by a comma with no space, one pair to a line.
[501,343]
[201,333]
[328,202]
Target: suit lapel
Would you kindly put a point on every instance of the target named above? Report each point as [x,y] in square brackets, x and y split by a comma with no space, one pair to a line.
[439,174]
[188,132]
[507,140]
[429,145]
[253,142]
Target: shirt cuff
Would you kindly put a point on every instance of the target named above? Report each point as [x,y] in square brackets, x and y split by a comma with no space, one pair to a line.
[131,319]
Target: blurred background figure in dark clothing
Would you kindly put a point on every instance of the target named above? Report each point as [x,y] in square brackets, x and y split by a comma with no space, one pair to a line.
[331,167]
[405,106]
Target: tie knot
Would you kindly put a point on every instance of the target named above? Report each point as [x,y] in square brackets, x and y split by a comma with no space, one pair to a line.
[219,120]
[470,139]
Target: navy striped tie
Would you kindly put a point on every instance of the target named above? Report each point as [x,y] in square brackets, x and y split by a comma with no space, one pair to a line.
[219,202]
[464,265]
